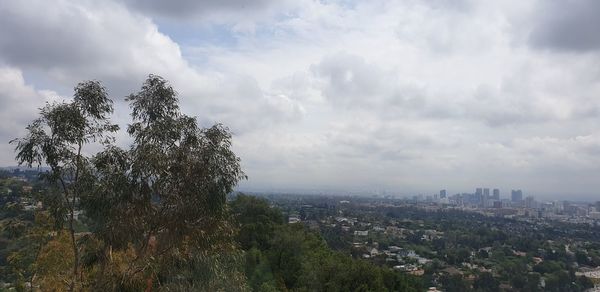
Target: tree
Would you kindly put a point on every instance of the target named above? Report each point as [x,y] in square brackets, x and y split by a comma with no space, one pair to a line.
[486,282]
[164,198]
[259,221]
[454,283]
[533,282]
[57,139]
[258,271]
[157,211]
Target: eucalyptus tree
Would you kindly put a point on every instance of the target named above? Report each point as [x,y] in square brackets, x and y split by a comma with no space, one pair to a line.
[57,139]
[165,196]
[157,209]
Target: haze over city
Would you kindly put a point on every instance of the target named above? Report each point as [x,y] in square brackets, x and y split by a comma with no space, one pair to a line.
[404,97]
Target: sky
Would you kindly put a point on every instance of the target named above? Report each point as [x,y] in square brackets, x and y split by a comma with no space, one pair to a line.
[403,97]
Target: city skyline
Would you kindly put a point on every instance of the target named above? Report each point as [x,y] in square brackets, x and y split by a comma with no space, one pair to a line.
[507,194]
[300,145]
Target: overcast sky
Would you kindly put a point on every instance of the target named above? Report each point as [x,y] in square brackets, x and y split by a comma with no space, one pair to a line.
[403,96]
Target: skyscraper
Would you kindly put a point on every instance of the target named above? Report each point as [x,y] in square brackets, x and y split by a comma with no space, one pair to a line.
[442,194]
[478,192]
[516,196]
[597,206]
[485,202]
[496,194]
[530,202]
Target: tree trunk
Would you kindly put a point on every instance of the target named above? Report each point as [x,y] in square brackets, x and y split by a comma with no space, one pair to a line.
[75,251]
[72,219]
[72,232]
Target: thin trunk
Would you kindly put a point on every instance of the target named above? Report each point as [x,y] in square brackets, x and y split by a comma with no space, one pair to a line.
[71,206]
[72,232]
[75,250]
[31,282]
[151,250]
[34,272]
[72,219]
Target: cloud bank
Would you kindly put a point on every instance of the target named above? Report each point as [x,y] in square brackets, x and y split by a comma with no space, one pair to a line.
[408,97]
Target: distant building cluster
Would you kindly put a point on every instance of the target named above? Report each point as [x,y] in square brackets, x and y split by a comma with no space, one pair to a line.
[481,198]
[518,205]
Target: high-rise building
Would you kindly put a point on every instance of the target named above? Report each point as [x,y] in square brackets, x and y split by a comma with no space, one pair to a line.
[530,202]
[516,196]
[442,194]
[485,202]
[496,194]
[478,196]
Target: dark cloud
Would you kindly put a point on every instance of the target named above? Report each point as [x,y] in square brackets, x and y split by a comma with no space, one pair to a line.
[193,8]
[567,25]
[28,41]
[74,41]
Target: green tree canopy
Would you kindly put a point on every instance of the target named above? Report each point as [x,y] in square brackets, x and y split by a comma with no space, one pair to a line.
[57,139]
[155,209]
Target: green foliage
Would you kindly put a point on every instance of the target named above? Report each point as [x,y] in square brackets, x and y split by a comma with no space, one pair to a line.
[547,267]
[289,257]
[258,270]
[157,211]
[165,196]
[454,283]
[486,282]
[172,182]
[259,221]
[23,253]
[57,139]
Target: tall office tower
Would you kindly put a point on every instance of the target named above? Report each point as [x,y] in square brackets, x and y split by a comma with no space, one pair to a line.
[530,202]
[486,198]
[442,194]
[478,195]
[485,201]
[516,196]
[496,194]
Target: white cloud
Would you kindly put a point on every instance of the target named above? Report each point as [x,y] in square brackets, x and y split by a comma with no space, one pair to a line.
[409,96]
[70,41]
[19,103]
